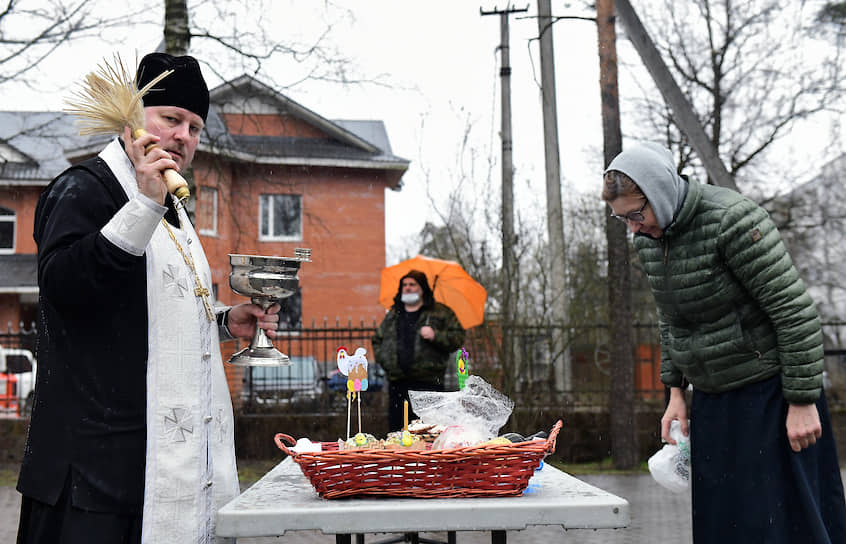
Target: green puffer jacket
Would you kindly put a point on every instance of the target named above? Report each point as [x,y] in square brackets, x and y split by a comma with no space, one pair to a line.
[430,357]
[732,309]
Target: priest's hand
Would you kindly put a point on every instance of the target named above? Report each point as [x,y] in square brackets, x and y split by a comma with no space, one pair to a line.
[243,318]
[149,164]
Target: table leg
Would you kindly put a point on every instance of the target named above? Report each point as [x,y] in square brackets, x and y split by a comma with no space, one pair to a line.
[343,539]
[497,537]
[412,538]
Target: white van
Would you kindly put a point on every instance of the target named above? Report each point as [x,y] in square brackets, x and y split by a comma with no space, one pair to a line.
[17,382]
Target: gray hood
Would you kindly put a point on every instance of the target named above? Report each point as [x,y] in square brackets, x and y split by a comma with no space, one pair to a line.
[652,168]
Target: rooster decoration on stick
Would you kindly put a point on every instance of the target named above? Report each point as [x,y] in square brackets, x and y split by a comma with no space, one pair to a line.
[354,367]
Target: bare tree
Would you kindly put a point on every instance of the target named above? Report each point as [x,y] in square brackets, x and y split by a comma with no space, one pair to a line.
[621,400]
[751,71]
[833,13]
[244,38]
[32,31]
[177,33]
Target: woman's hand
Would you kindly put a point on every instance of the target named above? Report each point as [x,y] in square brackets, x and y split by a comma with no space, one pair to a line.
[803,426]
[676,409]
[243,318]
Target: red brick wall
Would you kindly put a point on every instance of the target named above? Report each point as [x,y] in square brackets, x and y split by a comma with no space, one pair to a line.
[270,125]
[343,224]
[23,201]
[10,312]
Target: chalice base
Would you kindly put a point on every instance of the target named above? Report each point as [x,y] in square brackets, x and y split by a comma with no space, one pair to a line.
[260,356]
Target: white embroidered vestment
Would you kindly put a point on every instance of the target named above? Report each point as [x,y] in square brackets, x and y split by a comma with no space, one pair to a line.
[190,470]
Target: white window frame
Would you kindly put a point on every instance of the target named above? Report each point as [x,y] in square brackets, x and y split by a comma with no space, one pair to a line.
[13,219]
[213,230]
[267,197]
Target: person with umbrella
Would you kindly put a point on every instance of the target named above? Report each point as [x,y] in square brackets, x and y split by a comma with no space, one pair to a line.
[414,342]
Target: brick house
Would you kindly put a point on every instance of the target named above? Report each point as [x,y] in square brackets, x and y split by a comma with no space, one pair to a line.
[269,175]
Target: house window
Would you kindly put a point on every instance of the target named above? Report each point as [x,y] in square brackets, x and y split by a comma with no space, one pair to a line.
[207,211]
[7,230]
[280,217]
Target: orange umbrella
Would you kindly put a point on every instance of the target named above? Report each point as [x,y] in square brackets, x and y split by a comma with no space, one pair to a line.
[451,284]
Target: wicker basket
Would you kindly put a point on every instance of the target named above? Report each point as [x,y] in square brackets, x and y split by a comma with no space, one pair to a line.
[489,470]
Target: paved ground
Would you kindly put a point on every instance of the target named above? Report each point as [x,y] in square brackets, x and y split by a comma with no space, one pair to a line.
[657,516]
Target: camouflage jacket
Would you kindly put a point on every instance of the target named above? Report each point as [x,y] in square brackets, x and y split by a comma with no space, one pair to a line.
[430,357]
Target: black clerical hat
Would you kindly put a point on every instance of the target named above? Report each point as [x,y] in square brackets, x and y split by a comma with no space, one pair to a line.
[184,88]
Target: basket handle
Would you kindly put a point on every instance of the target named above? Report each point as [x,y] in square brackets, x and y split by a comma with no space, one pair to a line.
[550,442]
[281,445]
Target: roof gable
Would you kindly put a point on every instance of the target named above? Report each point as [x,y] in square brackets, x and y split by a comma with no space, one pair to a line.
[247,122]
[248,98]
[250,122]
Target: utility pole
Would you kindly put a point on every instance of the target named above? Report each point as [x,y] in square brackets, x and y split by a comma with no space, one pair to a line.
[684,116]
[554,214]
[509,257]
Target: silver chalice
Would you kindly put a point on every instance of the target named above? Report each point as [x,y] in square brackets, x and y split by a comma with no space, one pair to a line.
[265,280]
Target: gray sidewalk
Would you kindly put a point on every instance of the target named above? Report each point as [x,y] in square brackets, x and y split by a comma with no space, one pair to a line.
[656,516]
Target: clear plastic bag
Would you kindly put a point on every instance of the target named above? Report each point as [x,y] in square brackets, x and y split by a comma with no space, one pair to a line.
[670,466]
[478,407]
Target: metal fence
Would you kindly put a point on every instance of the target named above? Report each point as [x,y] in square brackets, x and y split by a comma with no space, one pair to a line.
[313,383]
[532,385]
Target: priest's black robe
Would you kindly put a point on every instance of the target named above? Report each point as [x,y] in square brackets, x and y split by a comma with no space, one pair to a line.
[88,421]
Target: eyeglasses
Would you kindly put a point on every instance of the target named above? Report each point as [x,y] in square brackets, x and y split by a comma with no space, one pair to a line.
[635,217]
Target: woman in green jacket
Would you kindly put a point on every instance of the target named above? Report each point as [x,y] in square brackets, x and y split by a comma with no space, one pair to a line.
[737,323]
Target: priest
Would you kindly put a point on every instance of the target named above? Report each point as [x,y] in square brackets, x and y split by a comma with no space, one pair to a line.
[131,437]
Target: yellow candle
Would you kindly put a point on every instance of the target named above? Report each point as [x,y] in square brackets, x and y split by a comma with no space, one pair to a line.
[405,415]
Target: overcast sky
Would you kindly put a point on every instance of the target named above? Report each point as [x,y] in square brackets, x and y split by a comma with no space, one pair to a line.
[439,64]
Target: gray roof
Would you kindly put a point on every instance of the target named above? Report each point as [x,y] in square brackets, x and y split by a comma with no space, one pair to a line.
[36,146]
[304,148]
[18,273]
[348,143]
[41,137]
[372,131]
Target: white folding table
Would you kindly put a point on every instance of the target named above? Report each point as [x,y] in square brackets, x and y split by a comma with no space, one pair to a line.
[284,500]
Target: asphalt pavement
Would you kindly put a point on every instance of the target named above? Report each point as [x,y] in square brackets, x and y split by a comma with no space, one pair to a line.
[657,516]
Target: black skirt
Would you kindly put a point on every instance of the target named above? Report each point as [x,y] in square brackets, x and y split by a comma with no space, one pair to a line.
[748,485]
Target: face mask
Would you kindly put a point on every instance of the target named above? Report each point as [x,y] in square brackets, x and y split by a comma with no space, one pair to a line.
[410,298]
